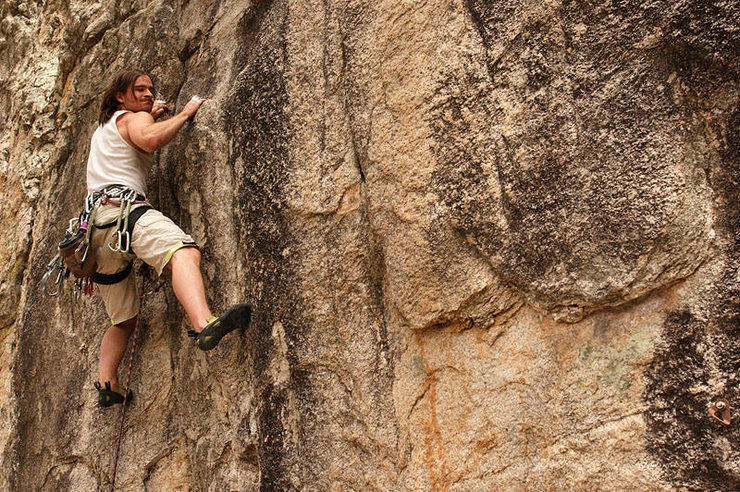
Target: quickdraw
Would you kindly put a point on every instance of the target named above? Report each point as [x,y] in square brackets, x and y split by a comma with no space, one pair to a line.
[123,237]
[57,264]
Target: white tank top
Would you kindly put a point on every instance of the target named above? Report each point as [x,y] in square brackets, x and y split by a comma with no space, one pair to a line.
[113,161]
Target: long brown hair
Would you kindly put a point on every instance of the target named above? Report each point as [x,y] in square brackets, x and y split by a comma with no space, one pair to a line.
[122,83]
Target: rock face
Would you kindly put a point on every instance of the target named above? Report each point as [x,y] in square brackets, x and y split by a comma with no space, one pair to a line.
[490,245]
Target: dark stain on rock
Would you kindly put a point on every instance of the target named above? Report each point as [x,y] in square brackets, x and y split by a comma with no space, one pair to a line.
[705,30]
[726,180]
[272,452]
[257,125]
[698,361]
[695,450]
[581,143]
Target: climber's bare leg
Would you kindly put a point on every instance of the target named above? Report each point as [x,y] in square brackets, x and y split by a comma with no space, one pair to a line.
[112,348]
[187,282]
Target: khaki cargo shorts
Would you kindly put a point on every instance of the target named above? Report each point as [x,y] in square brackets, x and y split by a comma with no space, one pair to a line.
[154,240]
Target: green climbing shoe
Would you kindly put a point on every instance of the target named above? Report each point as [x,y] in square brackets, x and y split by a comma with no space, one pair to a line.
[236,317]
[108,396]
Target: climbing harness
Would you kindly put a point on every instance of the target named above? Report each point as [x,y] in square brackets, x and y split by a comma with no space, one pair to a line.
[144,272]
[124,198]
[74,253]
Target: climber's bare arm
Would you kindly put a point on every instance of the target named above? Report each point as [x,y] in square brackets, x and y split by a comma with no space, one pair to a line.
[140,130]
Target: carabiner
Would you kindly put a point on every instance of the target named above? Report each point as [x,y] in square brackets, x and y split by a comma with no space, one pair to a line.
[117,247]
[45,286]
[75,221]
[125,239]
[59,280]
[77,289]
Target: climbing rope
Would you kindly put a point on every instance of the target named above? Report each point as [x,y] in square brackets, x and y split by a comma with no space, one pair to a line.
[145,277]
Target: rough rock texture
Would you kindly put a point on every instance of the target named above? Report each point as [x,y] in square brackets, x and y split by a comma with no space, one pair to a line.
[490,245]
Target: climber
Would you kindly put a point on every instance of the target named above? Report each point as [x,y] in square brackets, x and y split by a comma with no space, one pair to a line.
[126,226]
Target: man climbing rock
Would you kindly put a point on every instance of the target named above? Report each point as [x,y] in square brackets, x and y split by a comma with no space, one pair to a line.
[126,226]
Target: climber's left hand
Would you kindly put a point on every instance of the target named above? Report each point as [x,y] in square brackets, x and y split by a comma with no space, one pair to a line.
[159,108]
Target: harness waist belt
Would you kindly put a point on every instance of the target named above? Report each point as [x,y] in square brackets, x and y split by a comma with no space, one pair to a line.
[111,278]
[114,191]
[133,216]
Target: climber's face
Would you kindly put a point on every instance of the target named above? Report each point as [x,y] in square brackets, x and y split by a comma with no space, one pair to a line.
[139,97]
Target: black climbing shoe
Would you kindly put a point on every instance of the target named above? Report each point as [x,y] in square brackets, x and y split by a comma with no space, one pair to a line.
[236,317]
[108,396]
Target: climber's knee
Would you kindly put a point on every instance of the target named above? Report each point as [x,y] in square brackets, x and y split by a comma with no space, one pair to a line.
[127,325]
[185,256]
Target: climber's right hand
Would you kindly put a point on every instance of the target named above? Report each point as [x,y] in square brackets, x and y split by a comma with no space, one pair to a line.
[192,106]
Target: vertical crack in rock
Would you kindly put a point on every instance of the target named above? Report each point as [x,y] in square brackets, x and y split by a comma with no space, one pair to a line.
[342,381]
